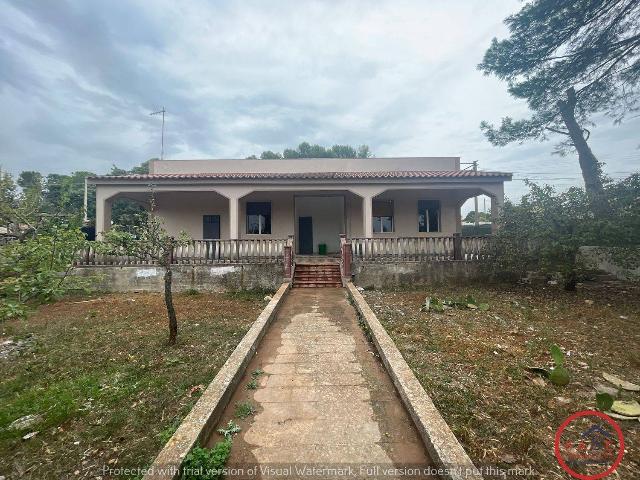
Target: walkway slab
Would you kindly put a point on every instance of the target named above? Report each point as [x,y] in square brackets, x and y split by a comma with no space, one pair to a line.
[324,399]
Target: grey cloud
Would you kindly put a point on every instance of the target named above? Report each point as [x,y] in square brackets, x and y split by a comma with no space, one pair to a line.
[240,77]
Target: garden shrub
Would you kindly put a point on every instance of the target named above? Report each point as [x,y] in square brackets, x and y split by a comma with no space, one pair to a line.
[207,463]
[36,269]
[544,232]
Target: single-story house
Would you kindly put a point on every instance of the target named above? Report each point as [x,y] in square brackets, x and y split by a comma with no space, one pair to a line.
[310,201]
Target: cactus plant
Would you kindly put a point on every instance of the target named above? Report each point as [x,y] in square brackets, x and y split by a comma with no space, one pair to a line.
[559,375]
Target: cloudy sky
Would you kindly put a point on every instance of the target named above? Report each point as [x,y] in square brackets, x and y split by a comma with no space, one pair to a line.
[78,80]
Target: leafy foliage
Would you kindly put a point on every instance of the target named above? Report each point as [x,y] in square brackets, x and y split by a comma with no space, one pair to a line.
[230,430]
[148,241]
[545,230]
[604,401]
[306,150]
[33,200]
[37,269]
[568,60]
[244,409]
[591,45]
[482,217]
[206,463]
[559,375]
[557,355]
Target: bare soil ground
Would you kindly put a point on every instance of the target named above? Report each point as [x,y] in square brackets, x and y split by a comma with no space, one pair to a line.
[103,386]
[472,363]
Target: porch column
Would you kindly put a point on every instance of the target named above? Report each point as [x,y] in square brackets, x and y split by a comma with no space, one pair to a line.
[497,202]
[233,217]
[367,216]
[103,215]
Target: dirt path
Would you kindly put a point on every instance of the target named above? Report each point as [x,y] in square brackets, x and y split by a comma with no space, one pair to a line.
[324,398]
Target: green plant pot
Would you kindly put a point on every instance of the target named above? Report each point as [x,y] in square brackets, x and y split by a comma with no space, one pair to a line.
[322,249]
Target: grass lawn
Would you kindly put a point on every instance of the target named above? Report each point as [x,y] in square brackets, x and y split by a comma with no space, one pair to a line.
[104,386]
[472,363]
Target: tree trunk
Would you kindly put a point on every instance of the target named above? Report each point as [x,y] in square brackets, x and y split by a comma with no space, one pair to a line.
[171,312]
[588,162]
[571,281]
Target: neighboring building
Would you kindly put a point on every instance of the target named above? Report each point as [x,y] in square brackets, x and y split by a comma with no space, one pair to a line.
[313,200]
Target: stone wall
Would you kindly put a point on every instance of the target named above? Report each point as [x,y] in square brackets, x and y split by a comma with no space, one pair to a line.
[200,277]
[607,259]
[385,275]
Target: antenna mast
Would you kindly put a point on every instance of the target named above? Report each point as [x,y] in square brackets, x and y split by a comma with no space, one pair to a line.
[163,111]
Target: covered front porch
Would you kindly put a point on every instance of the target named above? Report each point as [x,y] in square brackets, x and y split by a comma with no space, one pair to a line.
[402,223]
[314,219]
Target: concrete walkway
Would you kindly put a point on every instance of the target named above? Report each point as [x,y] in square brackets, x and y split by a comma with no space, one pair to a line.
[324,398]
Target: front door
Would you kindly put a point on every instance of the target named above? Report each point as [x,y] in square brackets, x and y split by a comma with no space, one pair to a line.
[305,235]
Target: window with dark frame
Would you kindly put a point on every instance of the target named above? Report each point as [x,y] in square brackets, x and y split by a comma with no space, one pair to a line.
[382,212]
[259,218]
[211,227]
[429,216]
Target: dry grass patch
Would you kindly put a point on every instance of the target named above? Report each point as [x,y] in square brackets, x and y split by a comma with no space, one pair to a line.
[472,363]
[104,386]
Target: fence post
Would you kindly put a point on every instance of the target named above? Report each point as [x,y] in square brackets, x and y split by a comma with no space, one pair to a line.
[458,254]
[288,257]
[287,261]
[345,257]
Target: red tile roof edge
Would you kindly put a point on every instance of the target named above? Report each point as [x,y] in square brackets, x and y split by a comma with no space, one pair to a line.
[308,175]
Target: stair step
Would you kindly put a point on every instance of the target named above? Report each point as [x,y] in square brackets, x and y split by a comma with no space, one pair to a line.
[316,269]
[317,275]
[318,280]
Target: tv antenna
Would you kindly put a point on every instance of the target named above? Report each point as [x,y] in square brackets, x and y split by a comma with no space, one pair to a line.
[163,111]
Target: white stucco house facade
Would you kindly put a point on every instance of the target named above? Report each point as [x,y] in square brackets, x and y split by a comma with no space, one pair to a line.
[311,201]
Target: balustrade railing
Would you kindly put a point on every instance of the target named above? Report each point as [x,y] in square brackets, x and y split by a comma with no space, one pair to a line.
[417,249]
[199,252]
[399,249]
[474,248]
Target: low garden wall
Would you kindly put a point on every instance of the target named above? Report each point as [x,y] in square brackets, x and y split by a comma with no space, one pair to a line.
[200,277]
[607,259]
[385,275]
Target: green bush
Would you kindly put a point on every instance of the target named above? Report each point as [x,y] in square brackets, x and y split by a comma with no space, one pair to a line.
[36,270]
[206,463]
[544,231]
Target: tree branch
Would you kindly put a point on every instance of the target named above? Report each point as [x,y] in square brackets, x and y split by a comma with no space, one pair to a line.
[555,130]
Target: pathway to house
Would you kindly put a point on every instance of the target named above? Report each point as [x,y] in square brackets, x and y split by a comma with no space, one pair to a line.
[324,398]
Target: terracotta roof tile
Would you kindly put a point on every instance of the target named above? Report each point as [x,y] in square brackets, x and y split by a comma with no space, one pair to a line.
[307,176]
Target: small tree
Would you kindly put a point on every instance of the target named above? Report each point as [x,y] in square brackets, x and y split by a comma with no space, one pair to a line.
[149,241]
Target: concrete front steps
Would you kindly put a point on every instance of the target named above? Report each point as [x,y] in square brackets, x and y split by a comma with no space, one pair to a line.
[309,275]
